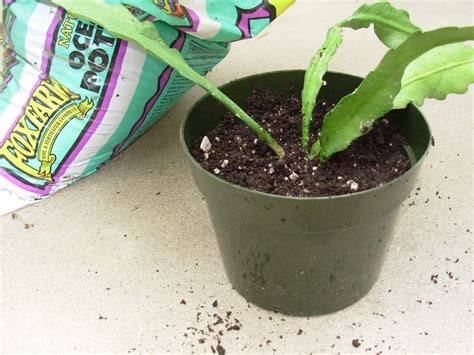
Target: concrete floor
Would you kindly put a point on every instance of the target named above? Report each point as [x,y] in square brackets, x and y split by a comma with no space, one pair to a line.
[106,264]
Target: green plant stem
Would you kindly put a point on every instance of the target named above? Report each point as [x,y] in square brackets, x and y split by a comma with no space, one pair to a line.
[237,111]
[315,149]
[313,79]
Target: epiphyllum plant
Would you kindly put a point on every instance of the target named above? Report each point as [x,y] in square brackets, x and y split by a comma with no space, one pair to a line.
[418,65]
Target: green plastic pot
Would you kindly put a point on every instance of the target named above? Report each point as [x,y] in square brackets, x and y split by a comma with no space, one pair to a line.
[301,256]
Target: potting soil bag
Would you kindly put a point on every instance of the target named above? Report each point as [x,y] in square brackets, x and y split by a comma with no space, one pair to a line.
[73,96]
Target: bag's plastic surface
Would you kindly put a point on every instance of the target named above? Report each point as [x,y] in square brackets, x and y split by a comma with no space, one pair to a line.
[214,20]
[73,96]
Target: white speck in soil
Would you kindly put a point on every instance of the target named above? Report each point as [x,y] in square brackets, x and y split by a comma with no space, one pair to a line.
[216,171]
[205,144]
[224,163]
[354,186]
[294,176]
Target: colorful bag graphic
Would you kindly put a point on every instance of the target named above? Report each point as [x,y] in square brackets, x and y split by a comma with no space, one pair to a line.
[214,20]
[73,96]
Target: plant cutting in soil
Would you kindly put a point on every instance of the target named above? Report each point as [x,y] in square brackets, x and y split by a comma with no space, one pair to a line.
[313,256]
[339,142]
[344,147]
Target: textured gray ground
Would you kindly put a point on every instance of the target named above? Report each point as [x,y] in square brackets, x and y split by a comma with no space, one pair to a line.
[132,241]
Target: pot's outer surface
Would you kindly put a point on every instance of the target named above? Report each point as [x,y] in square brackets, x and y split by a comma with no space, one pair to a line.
[302,256]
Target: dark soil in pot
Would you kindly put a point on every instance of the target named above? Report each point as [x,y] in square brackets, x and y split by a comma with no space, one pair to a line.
[237,156]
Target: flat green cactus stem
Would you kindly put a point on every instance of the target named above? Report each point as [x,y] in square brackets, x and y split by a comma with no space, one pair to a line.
[313,80]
